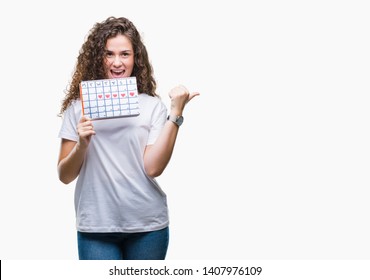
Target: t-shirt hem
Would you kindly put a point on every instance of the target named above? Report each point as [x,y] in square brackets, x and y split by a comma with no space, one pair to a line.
[122,229]
[68,136]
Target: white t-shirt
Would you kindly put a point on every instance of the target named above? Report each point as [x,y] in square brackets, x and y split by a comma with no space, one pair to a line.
[113,192]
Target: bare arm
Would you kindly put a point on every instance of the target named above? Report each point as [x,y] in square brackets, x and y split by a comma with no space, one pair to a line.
[157,156]
[72,154]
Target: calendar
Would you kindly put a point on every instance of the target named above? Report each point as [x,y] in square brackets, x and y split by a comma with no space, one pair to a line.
[109,98]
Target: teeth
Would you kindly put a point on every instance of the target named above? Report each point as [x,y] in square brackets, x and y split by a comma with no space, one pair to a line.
[117,73]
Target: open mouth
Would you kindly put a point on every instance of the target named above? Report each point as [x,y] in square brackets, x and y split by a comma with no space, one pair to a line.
[117,73]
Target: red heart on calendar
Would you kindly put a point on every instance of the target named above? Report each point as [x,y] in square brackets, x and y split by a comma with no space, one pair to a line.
[115,95]
[123,94]
[132,93]
[100,96]
[107,95]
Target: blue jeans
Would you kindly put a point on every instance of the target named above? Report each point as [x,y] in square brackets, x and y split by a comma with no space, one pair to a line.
[150,245]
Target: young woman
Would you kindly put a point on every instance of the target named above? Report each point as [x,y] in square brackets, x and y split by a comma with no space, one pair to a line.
[121,211]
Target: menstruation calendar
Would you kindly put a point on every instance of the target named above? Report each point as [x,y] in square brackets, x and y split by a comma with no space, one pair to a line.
[109,98]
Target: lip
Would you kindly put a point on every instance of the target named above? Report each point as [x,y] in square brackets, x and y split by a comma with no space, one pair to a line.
[117,73]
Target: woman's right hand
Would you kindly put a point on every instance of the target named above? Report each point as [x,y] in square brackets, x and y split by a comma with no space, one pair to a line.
[85,130]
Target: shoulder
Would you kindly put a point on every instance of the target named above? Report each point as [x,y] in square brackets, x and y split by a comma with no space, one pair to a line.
[148,98]
[152,101]
[152,105]
[74,109]
[74,104]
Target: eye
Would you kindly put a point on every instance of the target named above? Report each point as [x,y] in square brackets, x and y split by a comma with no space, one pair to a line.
[125,54]
[108,54]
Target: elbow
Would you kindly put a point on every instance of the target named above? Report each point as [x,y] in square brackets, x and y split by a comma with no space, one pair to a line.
[64,180]
[154,172]
[154,165]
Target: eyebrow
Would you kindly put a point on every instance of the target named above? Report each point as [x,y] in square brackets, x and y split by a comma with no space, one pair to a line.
[120,51]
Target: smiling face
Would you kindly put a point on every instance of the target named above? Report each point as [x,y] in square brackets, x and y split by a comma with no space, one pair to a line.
[119,57]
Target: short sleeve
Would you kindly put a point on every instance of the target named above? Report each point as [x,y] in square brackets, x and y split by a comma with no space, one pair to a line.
[71,118]
[158,120]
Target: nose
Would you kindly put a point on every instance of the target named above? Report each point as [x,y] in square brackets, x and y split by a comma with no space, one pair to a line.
[117,61]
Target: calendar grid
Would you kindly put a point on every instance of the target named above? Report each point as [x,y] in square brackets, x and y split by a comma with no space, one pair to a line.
[109,98]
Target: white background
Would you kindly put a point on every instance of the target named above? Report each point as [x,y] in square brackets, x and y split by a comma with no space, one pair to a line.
[273,159]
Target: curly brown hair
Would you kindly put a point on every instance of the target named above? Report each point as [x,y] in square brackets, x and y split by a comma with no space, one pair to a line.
[91,58]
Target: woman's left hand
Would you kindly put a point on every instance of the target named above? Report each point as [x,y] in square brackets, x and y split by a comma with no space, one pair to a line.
[180,96]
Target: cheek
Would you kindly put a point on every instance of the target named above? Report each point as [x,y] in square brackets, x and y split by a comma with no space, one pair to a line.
[130,66]
[106,65]
[131,63]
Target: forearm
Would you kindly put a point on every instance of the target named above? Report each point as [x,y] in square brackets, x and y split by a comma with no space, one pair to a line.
[69,167]
[158,155]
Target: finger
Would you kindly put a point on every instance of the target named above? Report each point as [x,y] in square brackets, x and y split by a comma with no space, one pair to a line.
[84,119]
[86,126]
[87,134]
[86,129]
[192,95]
